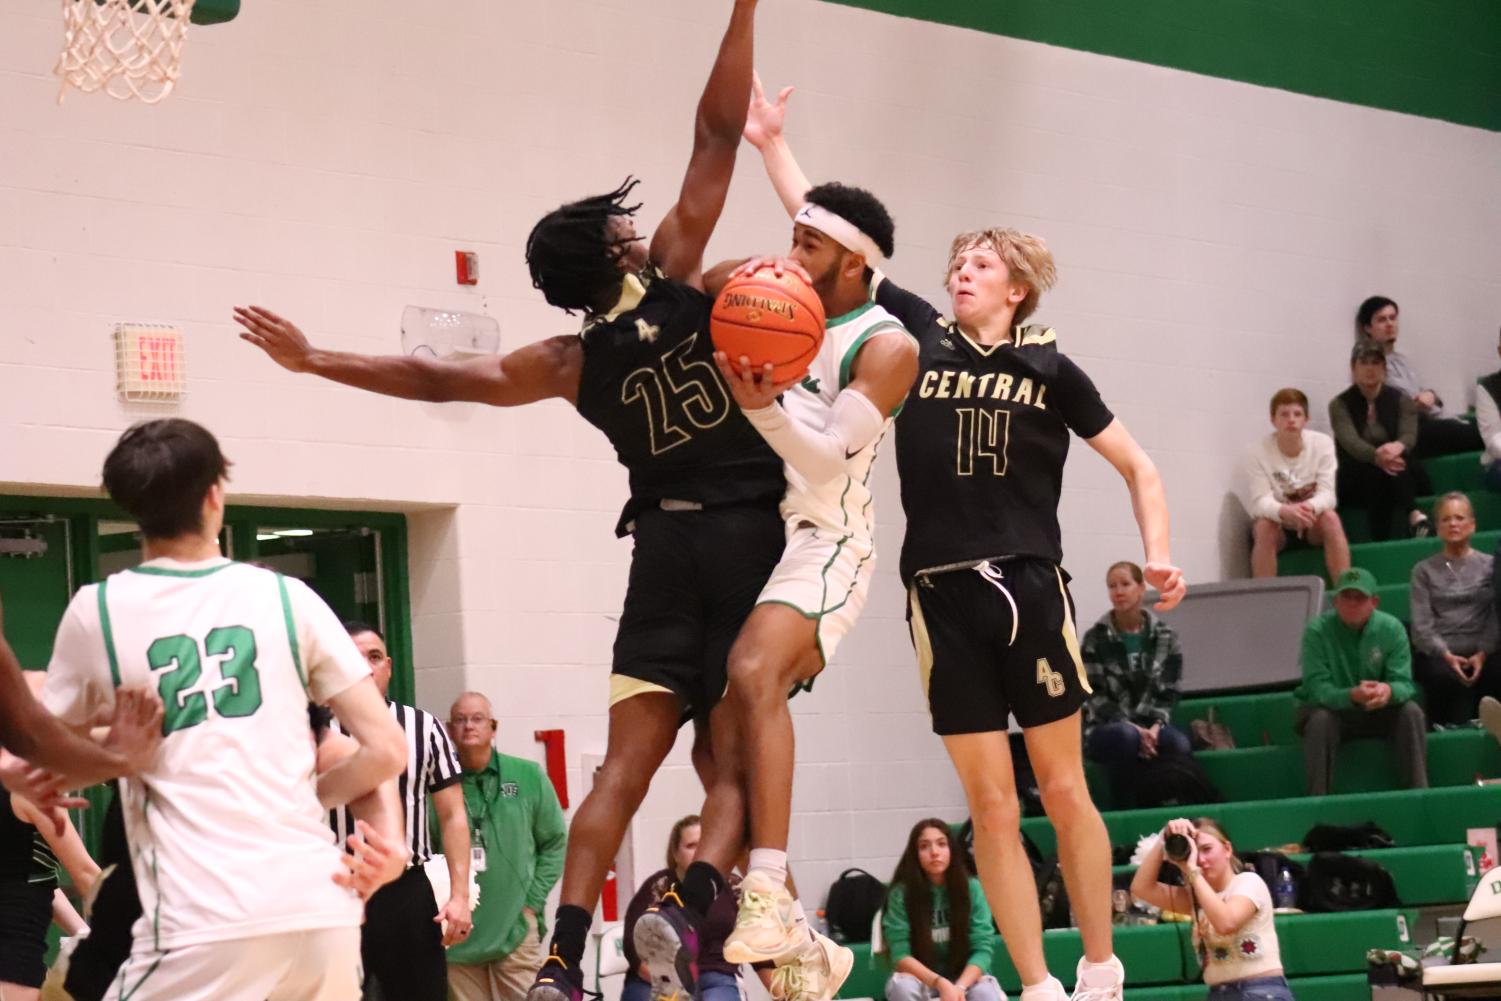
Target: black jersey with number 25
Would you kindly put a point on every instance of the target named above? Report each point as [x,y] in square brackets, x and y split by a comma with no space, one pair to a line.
[650,384]
[981,440]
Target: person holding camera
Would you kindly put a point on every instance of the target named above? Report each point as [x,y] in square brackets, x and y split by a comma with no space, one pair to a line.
[1232,909]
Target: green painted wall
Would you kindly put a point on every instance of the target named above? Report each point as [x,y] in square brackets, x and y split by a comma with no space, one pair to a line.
[1435,58]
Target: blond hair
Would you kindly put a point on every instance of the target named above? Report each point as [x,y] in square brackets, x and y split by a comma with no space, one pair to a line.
[1213,828]
[1454,497]
[1027,257]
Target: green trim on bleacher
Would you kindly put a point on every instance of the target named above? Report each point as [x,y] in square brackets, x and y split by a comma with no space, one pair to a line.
[1254,720]
[1424,876]
[1455,757]
[1391,561]
[1311,944]
[1455,472]
[1412,817]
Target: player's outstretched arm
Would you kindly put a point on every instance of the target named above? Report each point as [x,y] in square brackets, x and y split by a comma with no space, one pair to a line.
[539,371]
[677,246]
[1149,502]
[382,751]
[763,130]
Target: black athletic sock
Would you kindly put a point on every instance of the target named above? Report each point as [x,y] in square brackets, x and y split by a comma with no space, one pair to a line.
[570,929]
[701,884]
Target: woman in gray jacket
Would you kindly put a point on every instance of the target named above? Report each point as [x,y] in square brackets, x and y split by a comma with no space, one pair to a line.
[1454,622]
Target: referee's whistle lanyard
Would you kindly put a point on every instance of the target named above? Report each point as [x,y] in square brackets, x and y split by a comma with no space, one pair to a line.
[997,580]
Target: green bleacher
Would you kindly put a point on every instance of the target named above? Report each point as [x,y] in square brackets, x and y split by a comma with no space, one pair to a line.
[1262,780]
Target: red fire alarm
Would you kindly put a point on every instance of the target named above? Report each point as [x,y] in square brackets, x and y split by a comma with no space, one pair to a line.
[468,266]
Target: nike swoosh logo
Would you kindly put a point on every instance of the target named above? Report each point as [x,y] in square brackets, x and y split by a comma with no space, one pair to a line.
[850,455]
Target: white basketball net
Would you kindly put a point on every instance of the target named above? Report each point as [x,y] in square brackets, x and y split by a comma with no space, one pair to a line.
[126,48]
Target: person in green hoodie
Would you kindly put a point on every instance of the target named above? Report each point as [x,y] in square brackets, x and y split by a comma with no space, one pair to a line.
[938,929]
[1357,682]
[518,837]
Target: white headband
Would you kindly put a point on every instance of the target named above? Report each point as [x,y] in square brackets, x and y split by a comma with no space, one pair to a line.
[841,231]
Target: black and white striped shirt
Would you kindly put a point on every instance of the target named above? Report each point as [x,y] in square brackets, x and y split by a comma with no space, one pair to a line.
[432,764]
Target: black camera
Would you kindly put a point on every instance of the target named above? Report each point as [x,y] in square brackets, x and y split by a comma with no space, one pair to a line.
[1176,847]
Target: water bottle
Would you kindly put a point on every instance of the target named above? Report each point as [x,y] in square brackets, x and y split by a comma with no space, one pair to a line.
[1285,893]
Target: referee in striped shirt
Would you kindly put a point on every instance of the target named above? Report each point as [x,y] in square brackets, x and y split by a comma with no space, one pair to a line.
[404,935]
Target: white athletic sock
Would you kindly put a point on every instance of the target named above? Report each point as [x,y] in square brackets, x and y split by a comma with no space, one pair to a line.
[771,862]
[799,918]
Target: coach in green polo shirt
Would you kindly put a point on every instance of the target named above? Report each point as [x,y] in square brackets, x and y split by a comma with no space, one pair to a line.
[518,838]
[1357,682]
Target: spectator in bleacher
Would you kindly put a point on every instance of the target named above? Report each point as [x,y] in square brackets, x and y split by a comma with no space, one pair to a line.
[1375,429]
[937,925]
[1287,489]
[1134,663]
[1357,682]
[1233,930]
[716,978]
[1454,621]
[1488,417]
[1439,432]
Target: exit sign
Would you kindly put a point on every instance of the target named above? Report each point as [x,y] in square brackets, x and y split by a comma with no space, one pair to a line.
[149,364]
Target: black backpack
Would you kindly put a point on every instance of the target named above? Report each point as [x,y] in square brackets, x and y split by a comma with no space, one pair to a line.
[854,899]
[1338,882]
[1174,781]
[1338,838]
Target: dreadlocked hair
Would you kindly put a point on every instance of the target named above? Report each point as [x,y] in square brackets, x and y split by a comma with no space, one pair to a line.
[572,258]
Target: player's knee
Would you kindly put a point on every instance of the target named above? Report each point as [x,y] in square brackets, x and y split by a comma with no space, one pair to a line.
[623,778]
[1064,792]
[996,815]
[1332,527]
[756,678]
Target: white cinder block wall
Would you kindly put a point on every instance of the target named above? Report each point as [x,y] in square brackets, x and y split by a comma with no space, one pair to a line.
[327,158]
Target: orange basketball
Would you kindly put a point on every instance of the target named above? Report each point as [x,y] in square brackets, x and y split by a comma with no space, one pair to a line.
[769,320]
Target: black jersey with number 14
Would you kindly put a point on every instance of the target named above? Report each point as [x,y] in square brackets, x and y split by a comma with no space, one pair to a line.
[982,438]
[650,384]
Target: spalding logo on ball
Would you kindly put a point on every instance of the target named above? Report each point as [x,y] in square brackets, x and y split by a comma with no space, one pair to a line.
[770,320]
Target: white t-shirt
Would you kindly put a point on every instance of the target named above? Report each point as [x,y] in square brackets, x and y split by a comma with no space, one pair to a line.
[1270,479]
[844,504]
[227,839]
[1251,951]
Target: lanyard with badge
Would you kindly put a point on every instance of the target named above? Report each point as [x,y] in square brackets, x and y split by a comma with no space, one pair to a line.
[477,862]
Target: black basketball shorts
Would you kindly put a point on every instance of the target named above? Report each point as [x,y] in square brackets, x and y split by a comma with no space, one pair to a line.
[25,914]
[994,640]
[695,576]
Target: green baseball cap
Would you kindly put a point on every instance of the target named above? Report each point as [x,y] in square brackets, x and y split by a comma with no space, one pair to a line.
[1356,579]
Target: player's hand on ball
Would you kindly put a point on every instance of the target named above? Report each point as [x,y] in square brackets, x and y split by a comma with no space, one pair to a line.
[763,122]
[279,338]
[751,389]
[372,861]
[779,266]
[1169,582]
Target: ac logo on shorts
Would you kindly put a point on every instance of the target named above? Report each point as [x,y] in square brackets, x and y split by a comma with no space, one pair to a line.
[1050,679]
